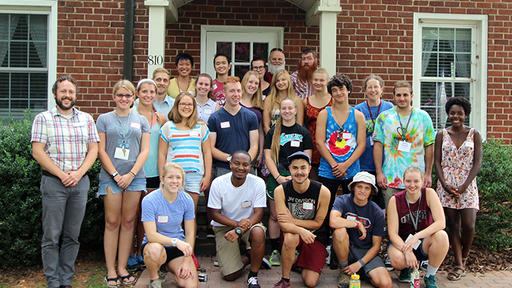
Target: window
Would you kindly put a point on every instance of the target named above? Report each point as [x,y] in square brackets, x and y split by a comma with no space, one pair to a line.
[449,60]
[27,59]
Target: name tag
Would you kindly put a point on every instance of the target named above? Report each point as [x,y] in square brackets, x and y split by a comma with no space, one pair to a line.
[295,143]
[307,206]
[122,153]
[246,204]
[351,218]
[347,135]
[469,144]
[195,134]
[163,219]
[207,111]
[135,125]
[404,146]
[371,141]
[224,124]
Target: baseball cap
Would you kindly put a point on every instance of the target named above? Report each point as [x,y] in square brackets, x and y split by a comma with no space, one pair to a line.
[299,155]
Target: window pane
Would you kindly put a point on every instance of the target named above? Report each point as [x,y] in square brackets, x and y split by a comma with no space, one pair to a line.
[19,84]
[446,65]
[260,50]
[4,23]
[242,51]
[463,40]
[38,86]
[37,106]
[4,85]
[4,53]
[240,70]
[429,64]
[37,54]
[446,39]
[463,65]
[18,54]
[224,48]
[19,27]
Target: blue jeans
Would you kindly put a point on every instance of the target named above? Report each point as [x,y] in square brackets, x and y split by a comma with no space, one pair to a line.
[63,212]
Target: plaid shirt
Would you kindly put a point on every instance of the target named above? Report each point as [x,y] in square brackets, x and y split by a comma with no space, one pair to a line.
[303,89]
[66,138]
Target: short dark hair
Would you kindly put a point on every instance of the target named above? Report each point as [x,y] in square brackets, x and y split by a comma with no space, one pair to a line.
[242,152]
[308,50]
[62,79]
[258,59]
[339,81]
[184,56]
[461,101]
[221,54]
[402,84]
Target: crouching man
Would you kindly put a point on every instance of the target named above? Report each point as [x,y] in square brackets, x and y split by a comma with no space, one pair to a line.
[301,206]
[236,203]
[359,226]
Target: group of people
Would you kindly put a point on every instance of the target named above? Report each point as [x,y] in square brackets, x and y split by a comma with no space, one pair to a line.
[289,142]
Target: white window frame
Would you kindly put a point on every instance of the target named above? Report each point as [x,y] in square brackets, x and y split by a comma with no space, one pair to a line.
[478,84]
[49,8]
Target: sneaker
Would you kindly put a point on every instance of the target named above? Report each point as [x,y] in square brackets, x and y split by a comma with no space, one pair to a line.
[275,258]
[162,272]
[343,280]
[282,284]
[157,283]
[209,233]
[405,275]
[253,282]
[424,265]
[265,264]
[133,264]
[430,281]
[387,263]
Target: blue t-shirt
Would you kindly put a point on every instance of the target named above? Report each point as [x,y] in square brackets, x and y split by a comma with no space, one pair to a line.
[366,159]
[232,131]
[370,215]
[167,216]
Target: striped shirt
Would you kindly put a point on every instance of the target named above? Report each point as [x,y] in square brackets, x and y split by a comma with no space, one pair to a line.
[66,137]
[303,89]
[185,145]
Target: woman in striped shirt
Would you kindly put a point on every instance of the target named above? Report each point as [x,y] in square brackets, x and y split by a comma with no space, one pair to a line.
[184,140]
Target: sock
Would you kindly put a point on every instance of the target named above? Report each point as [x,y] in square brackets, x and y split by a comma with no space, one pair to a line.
[343,264]
[252,274]
[286,279]
[431,270]
[274,244]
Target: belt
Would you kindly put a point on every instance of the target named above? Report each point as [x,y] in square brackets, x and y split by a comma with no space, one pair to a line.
[46,173]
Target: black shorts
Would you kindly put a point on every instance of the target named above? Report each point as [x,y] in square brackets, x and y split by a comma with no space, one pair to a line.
[153,182]
[170,251]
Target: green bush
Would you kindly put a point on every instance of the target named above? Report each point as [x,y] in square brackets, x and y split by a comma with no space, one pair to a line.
[494,221]
[20,203]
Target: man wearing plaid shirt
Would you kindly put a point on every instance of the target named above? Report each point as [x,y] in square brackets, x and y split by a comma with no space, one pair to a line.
[65,143]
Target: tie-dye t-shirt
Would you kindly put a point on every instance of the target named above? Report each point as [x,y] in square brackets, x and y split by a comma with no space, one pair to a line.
[420,133]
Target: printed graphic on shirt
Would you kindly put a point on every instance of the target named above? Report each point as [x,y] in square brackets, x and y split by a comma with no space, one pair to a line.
[301,208]
[363,220]
[340,143]
[285,138]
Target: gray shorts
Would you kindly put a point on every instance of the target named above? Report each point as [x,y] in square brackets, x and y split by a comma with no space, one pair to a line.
[358,253]
[388,193]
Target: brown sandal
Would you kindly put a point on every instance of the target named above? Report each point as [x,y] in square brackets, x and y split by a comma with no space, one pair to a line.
[456,273]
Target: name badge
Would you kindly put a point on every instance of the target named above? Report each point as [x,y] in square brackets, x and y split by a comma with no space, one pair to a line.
[135,125]
[195,134]
[246,204]
[295,143]
[469,144]
[122,153]
[404,146]
[371,141]
[207,111]
[307,206]
[224,124]
[351,218]
[163,219]
[347,135]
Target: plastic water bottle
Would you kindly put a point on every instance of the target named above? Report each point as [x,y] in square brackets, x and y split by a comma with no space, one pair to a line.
[328,258]
[354,281]
[415,278]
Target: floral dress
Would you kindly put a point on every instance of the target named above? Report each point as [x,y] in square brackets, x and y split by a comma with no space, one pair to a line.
[456,164]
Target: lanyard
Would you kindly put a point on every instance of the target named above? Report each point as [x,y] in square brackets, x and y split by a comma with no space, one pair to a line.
[416,219]
[403,131]
[370,111]
[124,130]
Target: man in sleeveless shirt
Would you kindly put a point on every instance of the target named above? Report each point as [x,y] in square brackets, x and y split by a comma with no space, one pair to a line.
[301,206]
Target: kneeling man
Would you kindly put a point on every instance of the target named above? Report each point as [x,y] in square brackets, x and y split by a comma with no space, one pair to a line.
[301,206]
[236,203]
[359,226]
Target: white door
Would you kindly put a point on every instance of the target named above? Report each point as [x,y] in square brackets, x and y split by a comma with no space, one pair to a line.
[241,44]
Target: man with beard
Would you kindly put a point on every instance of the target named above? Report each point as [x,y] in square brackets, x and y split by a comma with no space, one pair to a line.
[301,206]
[232,128]
[163,102]
[302,79]
[65,144]
[236,202]
[277,62]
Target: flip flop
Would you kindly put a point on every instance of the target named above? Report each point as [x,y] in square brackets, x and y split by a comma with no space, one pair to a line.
[124,280]
[113,279]
[457,273]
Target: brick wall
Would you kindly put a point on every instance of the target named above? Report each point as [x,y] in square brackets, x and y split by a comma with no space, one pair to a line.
[375,36]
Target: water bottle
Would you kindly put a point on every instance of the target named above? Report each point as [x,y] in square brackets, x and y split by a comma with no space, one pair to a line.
[415,278]
[354,281]
[328,258]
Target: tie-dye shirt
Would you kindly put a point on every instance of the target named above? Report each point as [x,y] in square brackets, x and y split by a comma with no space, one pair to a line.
[420,133]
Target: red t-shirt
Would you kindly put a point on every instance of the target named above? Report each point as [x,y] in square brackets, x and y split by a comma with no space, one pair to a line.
[419,208]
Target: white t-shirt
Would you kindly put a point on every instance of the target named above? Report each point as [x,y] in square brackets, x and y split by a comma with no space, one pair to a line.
[237,203]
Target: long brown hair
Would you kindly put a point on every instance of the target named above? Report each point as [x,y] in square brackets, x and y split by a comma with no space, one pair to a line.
[206,75]
[276,138]
[175,116]
[273,102]
[256,99]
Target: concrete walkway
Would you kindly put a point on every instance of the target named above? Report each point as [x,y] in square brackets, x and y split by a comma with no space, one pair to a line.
[268,278]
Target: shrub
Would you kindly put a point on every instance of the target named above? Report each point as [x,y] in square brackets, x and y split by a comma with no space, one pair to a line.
[20,204]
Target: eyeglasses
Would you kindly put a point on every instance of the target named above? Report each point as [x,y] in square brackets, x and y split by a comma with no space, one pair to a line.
[186,105]
[258,67]
[124,95]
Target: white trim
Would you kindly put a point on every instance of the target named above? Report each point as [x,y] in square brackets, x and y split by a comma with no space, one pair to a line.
[478,23]
[48,7]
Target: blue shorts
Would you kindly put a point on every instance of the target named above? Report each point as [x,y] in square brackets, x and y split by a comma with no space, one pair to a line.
[193,182]
[138,184]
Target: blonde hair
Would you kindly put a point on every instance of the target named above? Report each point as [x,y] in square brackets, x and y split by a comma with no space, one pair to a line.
[175,116]
[161,70]
[167,168]
[276,138]
[256,99]
[321,70]
[126,84]
[413,169]
[273,101]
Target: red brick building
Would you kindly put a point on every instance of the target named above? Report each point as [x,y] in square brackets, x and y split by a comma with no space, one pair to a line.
[444,48]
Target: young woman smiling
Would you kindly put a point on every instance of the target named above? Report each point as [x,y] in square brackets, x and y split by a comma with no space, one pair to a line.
[252,100]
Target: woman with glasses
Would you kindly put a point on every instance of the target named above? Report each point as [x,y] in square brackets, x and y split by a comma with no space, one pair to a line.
[123,149]
[184,140]
[259,66]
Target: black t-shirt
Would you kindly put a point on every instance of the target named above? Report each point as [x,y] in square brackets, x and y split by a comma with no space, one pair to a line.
[293,139]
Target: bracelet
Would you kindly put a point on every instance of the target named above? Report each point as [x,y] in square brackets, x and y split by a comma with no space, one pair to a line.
[361,262]
[278,177]
[131,173]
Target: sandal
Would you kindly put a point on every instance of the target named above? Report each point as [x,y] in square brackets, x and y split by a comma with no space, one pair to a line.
[457,273]
[113,279]
[124,280]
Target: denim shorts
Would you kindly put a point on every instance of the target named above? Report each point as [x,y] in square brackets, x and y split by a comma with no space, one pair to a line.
[138,184]
[193,182]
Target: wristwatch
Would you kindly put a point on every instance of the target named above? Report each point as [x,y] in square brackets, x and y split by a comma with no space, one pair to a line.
[228,158]
[115,174]
[174,241]
[239,231]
